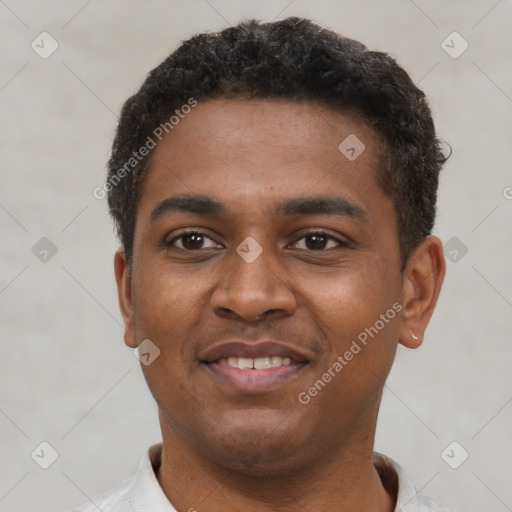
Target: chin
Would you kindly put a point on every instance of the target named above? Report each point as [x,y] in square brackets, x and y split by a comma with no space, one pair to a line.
[257,449]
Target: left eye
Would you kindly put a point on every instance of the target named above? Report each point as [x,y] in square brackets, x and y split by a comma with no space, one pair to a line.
[319,241]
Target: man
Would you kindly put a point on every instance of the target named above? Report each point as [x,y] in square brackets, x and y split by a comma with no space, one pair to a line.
[274,189]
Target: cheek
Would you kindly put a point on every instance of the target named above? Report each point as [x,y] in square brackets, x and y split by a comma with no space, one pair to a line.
[360,326]
[358,314]
[162,295]
[351,301]
[164,307]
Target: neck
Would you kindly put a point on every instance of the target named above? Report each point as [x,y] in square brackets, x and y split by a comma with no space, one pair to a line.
[345,479]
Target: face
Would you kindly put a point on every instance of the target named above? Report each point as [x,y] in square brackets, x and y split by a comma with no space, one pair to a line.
[261,254]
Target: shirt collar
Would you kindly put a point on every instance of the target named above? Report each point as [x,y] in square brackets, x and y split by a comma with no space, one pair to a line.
[407,499]
[146,493]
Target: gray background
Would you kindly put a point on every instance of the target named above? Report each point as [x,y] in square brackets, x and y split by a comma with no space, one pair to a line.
[67,377]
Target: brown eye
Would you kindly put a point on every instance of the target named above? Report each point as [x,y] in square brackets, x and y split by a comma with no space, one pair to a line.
[319,241]
[192,241]
[315,242]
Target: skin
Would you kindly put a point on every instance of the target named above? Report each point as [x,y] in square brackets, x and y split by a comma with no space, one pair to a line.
[229,450]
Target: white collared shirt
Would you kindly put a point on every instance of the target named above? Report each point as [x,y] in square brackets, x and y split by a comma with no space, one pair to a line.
[142,492]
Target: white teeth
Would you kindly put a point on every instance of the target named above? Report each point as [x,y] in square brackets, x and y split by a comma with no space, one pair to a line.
[258,363]
[244,363]
[275,361]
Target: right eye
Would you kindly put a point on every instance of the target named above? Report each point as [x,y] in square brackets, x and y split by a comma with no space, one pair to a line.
[192,241]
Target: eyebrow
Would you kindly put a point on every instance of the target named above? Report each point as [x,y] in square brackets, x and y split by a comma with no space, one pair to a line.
[202,205]
[309,205]
[318,205]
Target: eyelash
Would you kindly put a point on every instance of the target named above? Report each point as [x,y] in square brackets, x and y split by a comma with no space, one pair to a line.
[328,235]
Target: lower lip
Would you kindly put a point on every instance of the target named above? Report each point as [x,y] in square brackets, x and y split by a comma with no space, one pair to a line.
[252,380]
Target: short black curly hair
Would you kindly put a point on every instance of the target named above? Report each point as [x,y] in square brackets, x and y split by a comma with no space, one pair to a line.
[297,60]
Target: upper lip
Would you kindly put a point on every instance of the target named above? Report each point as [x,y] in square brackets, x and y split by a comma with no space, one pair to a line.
[251,349]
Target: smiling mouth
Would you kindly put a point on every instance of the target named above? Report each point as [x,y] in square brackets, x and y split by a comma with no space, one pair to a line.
[253,375]
[253,367]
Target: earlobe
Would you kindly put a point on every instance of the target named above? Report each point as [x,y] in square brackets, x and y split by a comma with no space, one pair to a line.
[124,293]
[423,278]
[414,336]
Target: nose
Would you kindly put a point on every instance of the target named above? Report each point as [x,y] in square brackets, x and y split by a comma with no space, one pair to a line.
[253,290]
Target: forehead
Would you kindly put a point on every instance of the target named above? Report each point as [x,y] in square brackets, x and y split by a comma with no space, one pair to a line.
[263,151]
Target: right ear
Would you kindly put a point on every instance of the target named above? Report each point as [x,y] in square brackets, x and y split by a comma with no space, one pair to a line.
[124,293]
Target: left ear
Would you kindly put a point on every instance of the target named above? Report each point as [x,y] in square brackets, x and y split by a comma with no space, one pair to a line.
[422,281]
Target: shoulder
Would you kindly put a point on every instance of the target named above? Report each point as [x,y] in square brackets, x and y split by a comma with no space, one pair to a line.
[116,499]
[429,505]
[397,482]
[141,491]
